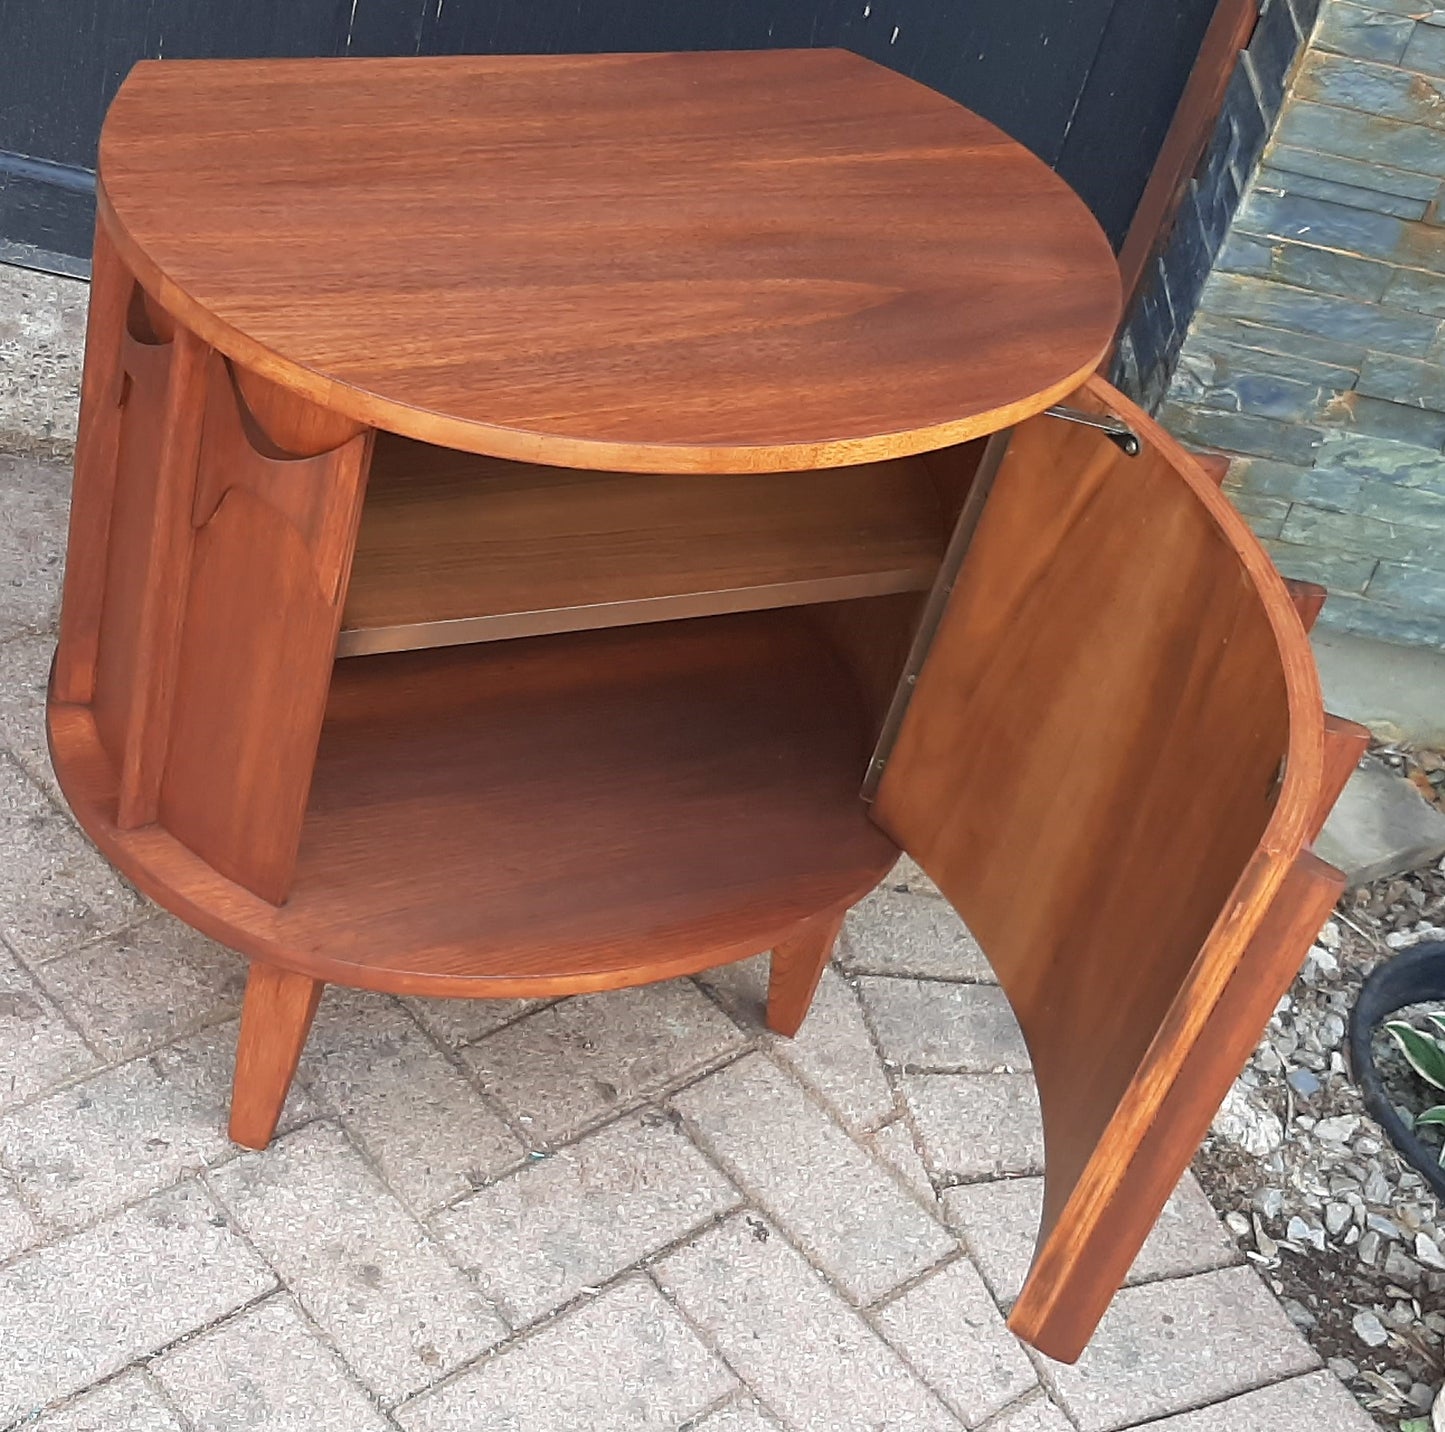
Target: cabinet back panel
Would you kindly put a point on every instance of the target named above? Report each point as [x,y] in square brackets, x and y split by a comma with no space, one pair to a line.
[460,548]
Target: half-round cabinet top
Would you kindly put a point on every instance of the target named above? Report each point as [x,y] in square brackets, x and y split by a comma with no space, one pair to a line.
[712,262]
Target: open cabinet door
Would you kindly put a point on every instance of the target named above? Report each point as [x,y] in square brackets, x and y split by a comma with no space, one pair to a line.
[1112,765]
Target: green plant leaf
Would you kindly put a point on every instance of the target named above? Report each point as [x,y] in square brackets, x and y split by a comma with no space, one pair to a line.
[1432,1116]
[1426,1055]
[1437,1018]
[1415,1424]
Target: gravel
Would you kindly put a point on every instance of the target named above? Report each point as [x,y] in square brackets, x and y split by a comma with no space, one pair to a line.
[1350,1238]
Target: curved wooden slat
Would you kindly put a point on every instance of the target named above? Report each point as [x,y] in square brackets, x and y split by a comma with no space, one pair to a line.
[1215,465]
[1345,743]
[270,552]
[1111,767]
[1308,599]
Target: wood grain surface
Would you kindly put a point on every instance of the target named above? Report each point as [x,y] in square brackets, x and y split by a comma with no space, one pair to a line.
[546,816]
[1112,761]
[682,262]
[275,1020]
[458,548]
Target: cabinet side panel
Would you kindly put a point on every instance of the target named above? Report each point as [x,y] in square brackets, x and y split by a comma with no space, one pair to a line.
[263,607]
[93,491]
[147,550]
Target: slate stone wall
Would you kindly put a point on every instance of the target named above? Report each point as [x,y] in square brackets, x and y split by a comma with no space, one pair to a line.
[1317,347]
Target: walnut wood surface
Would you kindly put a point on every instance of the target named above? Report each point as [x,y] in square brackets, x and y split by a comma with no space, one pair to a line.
[457,548]
[1078,1268]
[1091,772]
[275,1020]
[1308,599]
[794,969]
[666,263]
[681,265]
[93,491]
[546,816]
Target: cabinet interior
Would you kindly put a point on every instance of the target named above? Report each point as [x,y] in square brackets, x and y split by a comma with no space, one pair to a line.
[456,548]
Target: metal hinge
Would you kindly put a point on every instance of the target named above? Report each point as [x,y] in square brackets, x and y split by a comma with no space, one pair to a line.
[1115,429]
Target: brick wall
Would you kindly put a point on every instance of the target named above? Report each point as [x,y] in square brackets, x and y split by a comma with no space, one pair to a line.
[1317,349]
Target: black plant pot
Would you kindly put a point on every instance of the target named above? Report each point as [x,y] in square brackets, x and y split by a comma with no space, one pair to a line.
[1415,976]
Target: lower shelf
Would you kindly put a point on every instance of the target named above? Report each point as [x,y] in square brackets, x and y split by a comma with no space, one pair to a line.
[546,816]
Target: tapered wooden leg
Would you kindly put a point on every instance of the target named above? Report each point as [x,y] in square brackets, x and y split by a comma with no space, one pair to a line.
[794,972]
[275,1021]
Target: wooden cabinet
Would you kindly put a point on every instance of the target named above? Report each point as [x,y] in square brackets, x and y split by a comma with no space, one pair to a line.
[589,550]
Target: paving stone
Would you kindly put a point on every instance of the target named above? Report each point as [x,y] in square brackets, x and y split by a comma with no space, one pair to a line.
[1394,421]
[975,1126]
[42,335]
[1317,1401]
[1363,535]
[127,1131]
[1318,221]
[1352,135]
[1304,559]
[1038,1414]
[1403,380]
[840,1206]
[1336,491]
[953,1336]
[1396,502]
[1421,291]
[833,1051]
[38,1049]
[76,1311]
[455,1022]
[909,875]
[1255,300]
[742,1416]
[575,1063]
[539,1238]
[1359,455]
[24,675]
[265,1368]
[1188,1238]
[1243,433]
[1364,33]
[34,507]
[791,1338]
[893,933]
[128,1404]
[428,1129]
[1361,617]
[1163,1347]
[999,1222]
[1381,90]
[893,1143]
[363,1269]
[1270,338]
[55,890]
[1380,825]
[18,1230]
[933,1024]
[132,992]
[625,1362]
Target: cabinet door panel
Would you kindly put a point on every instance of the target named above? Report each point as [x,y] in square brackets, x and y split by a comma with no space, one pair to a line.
[1110,766]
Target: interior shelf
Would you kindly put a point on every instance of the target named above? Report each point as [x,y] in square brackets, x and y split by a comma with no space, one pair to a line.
[459,548]
[599,807]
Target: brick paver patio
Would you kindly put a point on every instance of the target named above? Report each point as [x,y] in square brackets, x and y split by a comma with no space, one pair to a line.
[633,1210]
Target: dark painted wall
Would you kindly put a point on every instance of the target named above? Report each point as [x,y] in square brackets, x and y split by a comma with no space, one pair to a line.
[1089,85]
